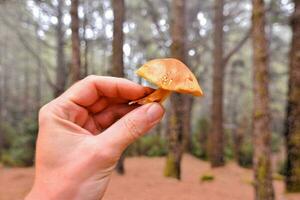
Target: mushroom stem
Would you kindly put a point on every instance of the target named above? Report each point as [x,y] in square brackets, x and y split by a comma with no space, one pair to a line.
[158,95]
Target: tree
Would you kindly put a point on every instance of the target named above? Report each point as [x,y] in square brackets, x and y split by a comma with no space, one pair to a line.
[261,113]
[117,56]
[118,38]
[61,72]
[176,121]
[220,61]
[292,129]
[76,69]
[216,137]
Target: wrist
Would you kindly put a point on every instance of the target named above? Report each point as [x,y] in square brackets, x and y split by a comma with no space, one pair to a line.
[50,190]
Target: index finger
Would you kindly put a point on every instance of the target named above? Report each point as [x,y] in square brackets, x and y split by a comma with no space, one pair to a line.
[87,91]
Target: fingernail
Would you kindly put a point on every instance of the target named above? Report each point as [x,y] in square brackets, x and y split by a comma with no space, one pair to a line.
[154,112]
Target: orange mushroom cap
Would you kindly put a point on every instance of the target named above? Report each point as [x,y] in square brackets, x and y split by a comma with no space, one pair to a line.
[170,74]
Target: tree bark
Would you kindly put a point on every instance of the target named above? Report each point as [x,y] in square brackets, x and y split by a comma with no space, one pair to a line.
[86,44]
[238,139]
[261,113]
[38,76]
[26,90]
[176,121]
[187,118]
[118,38]
[76,69]
[117,56]
[61,71]
[216,143]
[292,131]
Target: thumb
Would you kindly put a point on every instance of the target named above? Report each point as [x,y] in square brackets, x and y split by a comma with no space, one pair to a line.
[132,126]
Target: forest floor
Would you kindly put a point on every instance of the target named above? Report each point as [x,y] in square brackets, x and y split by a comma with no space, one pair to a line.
[144,181]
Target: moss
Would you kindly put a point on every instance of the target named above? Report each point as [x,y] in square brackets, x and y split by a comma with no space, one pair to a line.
[294,182]
[248,181]
[258,114]
[293,169]
[261,177]
[293,188]
[277,177]
[263,183]
[170,168]
[207,177]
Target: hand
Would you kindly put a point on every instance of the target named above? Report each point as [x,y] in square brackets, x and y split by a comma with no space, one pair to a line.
[83,133]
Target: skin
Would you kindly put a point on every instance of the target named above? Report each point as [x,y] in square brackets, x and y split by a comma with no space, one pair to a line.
[83,133]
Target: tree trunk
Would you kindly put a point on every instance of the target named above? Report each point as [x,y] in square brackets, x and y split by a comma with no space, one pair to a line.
[1,100]
[38,76]
[86,41]
[61,71]
[176,122]
[117,56]
[238,139]
[216,143]
[6,81]
[187,117]
[203,137]
[75,68]
[26,90]
[118,38]
[261,114]
[1,95]
[292,132]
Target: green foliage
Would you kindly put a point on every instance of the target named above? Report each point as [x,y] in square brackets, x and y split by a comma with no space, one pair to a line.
[200,139]
[229,147]
[150,145]
[245,159]
[282,169]
[198,150]
[228,152]
[20,145]
[207,177]
[276,142]
[277,177]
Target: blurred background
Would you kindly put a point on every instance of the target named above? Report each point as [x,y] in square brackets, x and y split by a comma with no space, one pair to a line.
[241,140]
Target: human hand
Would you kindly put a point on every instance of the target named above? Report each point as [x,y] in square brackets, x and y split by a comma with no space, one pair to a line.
[83,133]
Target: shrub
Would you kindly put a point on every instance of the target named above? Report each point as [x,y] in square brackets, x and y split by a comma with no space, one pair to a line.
[282,169]
[246,155]
[276,142]
[20,145]
[196,149]
[207,178]
[150,145]
[200,139]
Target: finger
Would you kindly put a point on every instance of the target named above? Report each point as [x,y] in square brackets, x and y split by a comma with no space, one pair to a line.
[87,91]
[112,114]
[104,102]
[99,105]
[92,126]
[131,126]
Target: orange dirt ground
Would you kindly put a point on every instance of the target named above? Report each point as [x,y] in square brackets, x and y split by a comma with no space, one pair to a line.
[144,181]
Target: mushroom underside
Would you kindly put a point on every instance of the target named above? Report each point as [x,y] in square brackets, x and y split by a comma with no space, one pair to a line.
[158,95]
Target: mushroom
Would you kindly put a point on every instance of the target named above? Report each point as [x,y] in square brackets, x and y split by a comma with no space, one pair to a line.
[169,75]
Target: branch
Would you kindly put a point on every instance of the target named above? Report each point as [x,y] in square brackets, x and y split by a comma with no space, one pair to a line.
[237,47]
[154,19]
[29,48]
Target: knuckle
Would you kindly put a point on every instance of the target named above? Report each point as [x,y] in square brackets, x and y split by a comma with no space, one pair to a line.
[90,78]
[132,128]
[45,113]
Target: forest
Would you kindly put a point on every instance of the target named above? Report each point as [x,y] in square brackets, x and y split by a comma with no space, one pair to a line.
[243,134]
